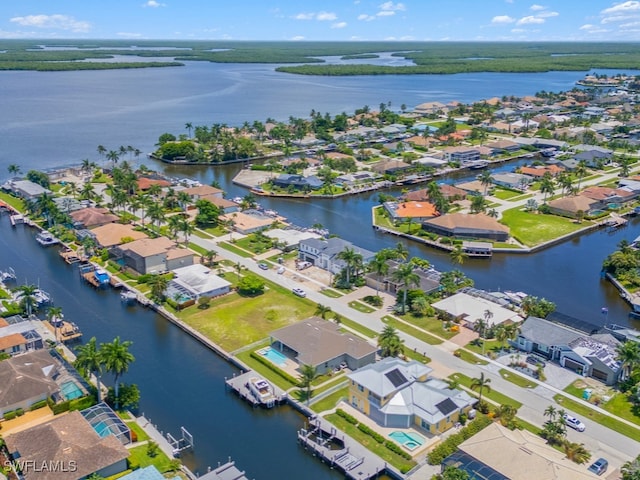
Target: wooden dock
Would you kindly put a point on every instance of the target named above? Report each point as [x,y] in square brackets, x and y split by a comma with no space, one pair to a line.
[240,385]
[91,279]
[68,332]
[340,451]
[69,256]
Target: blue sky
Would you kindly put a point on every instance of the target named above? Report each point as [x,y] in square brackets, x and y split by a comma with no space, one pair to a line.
[339,20]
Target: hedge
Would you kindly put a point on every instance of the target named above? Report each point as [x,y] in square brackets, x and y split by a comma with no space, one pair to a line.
[75,404]
[19,412]
[397,450]
[272,367]
[372,433]
[349,418]
[450,445]
[10,415]
[37,405]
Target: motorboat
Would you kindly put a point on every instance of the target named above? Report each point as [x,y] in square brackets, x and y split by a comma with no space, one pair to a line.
[46,239]
[8,275]
[261,390]
[101,276]
[128,297]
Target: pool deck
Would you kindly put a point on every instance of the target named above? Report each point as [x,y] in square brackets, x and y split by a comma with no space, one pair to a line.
[354,460]
[239,384]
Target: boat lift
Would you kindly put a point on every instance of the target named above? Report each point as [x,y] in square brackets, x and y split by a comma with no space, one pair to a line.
[179,445]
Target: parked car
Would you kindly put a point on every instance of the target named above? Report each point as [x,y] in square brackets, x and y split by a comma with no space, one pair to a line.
[263,266]
[599,466]
[574,423]
[280,270]
[299,292]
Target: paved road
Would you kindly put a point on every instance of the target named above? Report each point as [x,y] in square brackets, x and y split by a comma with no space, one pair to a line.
[601,441]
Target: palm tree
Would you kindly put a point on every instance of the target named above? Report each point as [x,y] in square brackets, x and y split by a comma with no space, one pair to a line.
[628,354]
[89,361]
[458,255]
[116,358]
[55,312]
[155,213]
[506,413]
[102,151]
[308,374]
[576,452]
[186,229]
[158,285]
[209,256]
[390,343]
[581,171]
[350,258]
[189,127]
[406,277]
[113,156]
[480,383]
[28,300]
[486,180]
[379,267]
[401,252]
[13,169]
[546,185]
[322,311]
[173,222]
[87,192]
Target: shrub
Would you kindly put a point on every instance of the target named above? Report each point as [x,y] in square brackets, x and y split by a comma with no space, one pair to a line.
[272,367]
[132,464]
[446,448]
[396,449]
[61,407]
[372,433]
[152,449]
[349,418]
[37,405]
[19,412]
[373,300]
[10,415]
[82,403]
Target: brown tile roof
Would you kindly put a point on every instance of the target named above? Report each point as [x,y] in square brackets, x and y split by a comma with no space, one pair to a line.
[417,195]
[477,221]
[502,144]
[177,252]
[573,204]
[317,341]
[598,193]
[144,183]
[22,377]
[541,170]
[112,234]
[93,216]
[244,222]
[420,141]
[449,191]
[219,201]
[202,190]
[3,322]
[146,247]
[68,438]
[337,155]
[12,340]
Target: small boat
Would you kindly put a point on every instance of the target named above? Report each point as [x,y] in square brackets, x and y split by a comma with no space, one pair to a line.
[478,164]
[46,239]
[101,276]
[128,297]
[8,275]
[261,390]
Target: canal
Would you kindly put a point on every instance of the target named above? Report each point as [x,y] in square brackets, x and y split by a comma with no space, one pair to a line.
[181,382]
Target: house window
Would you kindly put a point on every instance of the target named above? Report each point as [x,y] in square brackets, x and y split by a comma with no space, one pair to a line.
[361,388]
[424,424]
[354,401]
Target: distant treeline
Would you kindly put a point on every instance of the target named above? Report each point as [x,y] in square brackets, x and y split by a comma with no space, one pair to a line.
[429,58]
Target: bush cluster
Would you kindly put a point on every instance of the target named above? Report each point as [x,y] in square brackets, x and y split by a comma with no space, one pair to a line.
[272,367]
[349,418]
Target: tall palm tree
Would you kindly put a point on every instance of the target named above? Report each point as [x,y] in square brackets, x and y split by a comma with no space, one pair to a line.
[189,127]
[379,266]
[481,384]
[546,185]
[576,452]
[390,343]
[186,228]
[486,180]
[89,360]
[55,312]
[13,169]
[113,156]
[28,300]
[158,285]
[155,213]
[116,358]
[401,252]
[628,354]
[308,374]
[458,255]
[350,258]
[581,171]
[322,311]
[87,192]
[405,275]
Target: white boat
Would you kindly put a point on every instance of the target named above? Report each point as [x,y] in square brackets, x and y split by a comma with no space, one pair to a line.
[42,297]
[8,275]
[127,296]
[46,239]
[261,390]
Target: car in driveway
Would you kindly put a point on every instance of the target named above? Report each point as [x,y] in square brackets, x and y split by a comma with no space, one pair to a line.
[573,422]
[299,292]
[263,266]
[599,466]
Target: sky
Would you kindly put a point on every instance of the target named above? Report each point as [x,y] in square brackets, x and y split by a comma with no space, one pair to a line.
[326,20]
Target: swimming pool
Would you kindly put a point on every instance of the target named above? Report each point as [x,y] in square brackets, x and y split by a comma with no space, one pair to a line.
[274,356]
[102,429]
[408,440]
[70,390]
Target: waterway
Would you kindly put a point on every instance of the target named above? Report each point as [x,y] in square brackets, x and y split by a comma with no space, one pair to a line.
[181,382]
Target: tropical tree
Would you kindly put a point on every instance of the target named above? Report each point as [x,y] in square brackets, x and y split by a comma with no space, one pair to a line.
[155,212]
[628,354]
[406,277]
[581,171]
[547,186]
[486,180]
[308,374]
[478,204]
[13,169]
[28,300]
[189,127]
[507,415]
[87,192]
[55,313]
[116,358]
[631,470]
[625,166]
[458,255]
[379,266]
[452,473]
[89,361]
[322,311]
[187,229]
[390,343]
[554,430]
[401,252]
[350,258]
[158,285]
[481,384]
[576,452]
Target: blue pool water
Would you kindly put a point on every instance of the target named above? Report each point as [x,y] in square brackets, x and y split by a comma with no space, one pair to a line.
[102,429]
[70,390]
[410,441]
[274,356]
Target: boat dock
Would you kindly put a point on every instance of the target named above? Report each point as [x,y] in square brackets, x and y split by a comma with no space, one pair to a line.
[340,451]
[241,385]
[66,332]
[16,219]
[69,256]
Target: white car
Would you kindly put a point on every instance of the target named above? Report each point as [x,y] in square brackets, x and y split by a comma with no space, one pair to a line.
[574,423]
[280,271]
[299,292]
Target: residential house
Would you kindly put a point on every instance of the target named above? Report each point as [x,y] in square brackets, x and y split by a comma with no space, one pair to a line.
[399,394]
[461,154]
[145,183]
[69,440]
[593,158]
[447,191]
[19,334]
[501,454]
[358,178]
[570,206]
[319,343]
[428,161]
[390,167]
[224,205]
[462,225]
[248,221]
[202,191]
[93,217]
[431,108]
[290,238]
[154,255]
[429,279]
[25,189]
[112,234]
[503,146]
[467,308]
[609,196]
[515,181]
[286,180]
[324,253]
[420,141]
[539,171]
[417,211]
[196,281]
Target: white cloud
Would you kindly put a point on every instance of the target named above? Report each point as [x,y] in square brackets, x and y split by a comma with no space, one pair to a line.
[305,16]
[531,19]
[364,16]
[502,19]
[630,6]
[59,22]
[385,13]
[630,24]
[587,26]
[339,25]
[618,18]
[547,14]
[154,4]
[536,7]
[297,38]
[390,6]
[326,16]
[518,30]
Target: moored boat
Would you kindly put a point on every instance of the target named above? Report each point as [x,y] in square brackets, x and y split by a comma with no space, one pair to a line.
[46,239]
[102,276]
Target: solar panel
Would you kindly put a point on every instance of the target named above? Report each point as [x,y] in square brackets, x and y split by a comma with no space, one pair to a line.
[395,377]
[447,406]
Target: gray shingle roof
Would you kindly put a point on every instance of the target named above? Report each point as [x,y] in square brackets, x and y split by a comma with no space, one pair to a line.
[539,330]
[27,376]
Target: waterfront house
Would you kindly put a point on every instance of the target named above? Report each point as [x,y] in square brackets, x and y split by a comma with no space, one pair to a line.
[539,171]
[589,354]
[447,191]
[290,238]
[91,217]
[462,225]
[399,394]
[500,453]
[503,146]
[466,308]
[299,182]
[429,161]
[570,206]
[154,255]
[108,236]
[416,211]
[593,158]
[320,343]
[198,281]
[324,253]
[19,334]
[461,154]
[515,181]
[431,108]
[71,441]
[358,178]
[225,206]
[608,195]
[390,167]
[145,183]
[429,279]
[248,221]
[200,191]
[25,189]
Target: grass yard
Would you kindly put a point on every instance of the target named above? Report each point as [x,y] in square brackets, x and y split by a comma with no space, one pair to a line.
[330,401]
[331,293]
[519,380]
[198,249]
[140,433]
[430,324]
[469,357]
[236,250]
[504,194]
[619,403]
[601,418]
[234,321]
[366,332]
[369,443]
[414,332]
[15,202]
[489,346]
[138,456]
[533,229]
[216,231]
[361,307]
[255,243]
[493,395]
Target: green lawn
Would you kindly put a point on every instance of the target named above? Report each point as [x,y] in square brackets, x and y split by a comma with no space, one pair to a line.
[138,456]
[216,231]
[327,384]
[619,403]
[532,228]
[367,332]
[255,244]
[361,307]
[469,357]
[233,321]
[15,202]
[134,427]
[519,380]
[197,248]
[369,443]
[489,346]
[331,293]
[430,324]
[414,332]
[330,401]
[236,250]
[263,370]
[504,194]
[601,418]
[494,395]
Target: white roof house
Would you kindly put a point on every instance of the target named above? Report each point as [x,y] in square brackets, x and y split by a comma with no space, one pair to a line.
[291,237]
[469,308]
[199,281]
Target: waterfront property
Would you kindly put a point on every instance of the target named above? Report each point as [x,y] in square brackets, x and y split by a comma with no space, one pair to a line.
[25,189]
[418,211]
[113,234]
[400,394]
[429,279]
[467,308]
[515,181]
[461,225]
[19,335]
[70,440]
[589,354]
[153,255]
[324,253]
[195,281]
[106,422]
[290,238]
[502,454]
[248,221]
[92,217]
[319,343]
